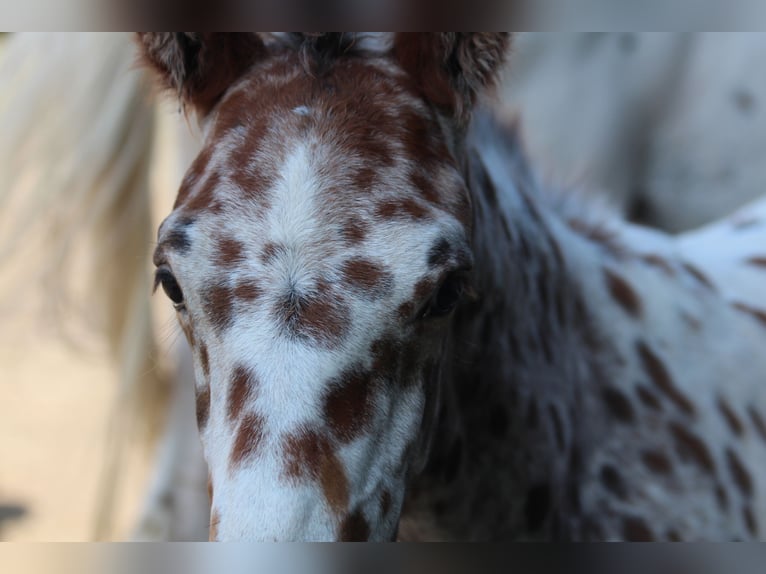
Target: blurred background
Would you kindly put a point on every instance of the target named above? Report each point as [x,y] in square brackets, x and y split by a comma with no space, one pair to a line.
[73,465]
[668,129]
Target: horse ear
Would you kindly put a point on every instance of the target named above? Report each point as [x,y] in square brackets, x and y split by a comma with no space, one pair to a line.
[199,66]
[452,68]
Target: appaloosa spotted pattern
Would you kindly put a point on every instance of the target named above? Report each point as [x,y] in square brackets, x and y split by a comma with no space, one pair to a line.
[397,331]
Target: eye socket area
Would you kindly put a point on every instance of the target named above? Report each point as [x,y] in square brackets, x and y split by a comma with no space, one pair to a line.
[164,277]
[450,293]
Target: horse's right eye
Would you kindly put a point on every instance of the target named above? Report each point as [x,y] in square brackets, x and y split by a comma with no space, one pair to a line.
[165,277]
[447,297]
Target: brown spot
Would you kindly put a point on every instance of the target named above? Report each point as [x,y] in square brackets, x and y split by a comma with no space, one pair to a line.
[204,360]
[310,456]
[659,375]
[367,277]
[613,482]
[423,289]
[203,407]
[269,252]
[348,404]
[405,310]
[537,506]
[248,440]
[218,302]
[756,261]
[193,175]
[365,178]
[657,462]
[750,521]
[634,529]
[253,185]
[240,389]
[385,503]
[230,252]
[204,199]
[355,528]
[659,263]
[647,397]
[215,520]
[698,275]
[757,314]
[758,422]
[425,186]
[322,317]
[623,294]
[247,291]
[401,208]
[421,140]
[189,332]
[606,238]
[186,327]
[740,474]
[691,448]
[355,231]
[618,404]
[210,488]
[731,418]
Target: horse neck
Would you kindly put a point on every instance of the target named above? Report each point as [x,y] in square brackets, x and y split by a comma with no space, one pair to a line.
[505,445]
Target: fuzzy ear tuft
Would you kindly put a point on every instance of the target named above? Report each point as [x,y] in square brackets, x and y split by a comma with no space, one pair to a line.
[200,66]
[452,68]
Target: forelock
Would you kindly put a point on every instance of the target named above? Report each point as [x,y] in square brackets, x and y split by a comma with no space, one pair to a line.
[319,50]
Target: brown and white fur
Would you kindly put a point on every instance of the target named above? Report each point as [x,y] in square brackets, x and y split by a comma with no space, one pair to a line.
[394,324]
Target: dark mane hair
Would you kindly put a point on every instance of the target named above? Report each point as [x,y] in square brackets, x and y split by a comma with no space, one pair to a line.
[318,50]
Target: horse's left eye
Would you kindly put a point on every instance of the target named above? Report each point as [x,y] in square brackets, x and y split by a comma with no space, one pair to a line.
[447,297]
[170,286]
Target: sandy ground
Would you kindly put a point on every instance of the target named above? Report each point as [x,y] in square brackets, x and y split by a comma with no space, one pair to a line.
[54,407]
[55,404]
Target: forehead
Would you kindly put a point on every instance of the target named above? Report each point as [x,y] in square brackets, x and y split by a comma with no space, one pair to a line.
[354,147]
[361,120]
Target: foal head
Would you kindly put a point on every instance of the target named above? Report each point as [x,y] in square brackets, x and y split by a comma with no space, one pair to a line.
[317,248]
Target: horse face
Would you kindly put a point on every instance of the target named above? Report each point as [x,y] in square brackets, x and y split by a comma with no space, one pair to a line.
[317,249]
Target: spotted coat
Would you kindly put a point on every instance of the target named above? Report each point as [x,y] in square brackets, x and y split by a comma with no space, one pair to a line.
[398,331]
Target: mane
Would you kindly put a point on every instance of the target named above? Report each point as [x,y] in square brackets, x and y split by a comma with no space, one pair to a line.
[585,212]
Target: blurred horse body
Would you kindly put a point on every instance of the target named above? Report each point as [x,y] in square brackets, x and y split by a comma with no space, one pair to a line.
[670,126]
